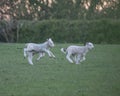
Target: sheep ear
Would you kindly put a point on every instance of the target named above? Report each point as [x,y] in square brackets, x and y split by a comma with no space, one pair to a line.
[87,43]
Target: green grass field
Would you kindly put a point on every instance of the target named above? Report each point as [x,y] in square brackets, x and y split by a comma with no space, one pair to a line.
[99,75]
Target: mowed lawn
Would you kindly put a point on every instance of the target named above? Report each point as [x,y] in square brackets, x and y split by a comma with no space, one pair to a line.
[99,75]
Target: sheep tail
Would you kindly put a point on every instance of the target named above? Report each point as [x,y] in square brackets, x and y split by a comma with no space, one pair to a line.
[63,50]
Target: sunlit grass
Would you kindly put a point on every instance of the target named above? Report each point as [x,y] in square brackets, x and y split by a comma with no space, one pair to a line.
[99,75]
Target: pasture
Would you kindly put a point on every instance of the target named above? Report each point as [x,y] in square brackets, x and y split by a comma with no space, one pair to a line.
[99,75]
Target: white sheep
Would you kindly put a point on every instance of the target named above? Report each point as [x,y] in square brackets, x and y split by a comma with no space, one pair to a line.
[33,48]
[77,53]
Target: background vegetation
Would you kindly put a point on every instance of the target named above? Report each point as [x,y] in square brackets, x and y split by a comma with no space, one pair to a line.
[97,31]
[61,31]
[59,9]
[70,20]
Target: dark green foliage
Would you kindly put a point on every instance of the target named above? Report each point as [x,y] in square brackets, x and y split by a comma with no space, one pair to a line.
[8,30]
[98,31]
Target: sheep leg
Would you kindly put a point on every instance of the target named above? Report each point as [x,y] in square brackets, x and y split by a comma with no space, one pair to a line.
[52,54]
[30,56]
[74,57]
[83,59]
[40,55]
[68,58]
[78,57]
[25,52]
[48,52]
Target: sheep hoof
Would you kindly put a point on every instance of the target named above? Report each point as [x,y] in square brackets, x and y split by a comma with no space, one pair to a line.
[31,63]
[54,57]
[71,62]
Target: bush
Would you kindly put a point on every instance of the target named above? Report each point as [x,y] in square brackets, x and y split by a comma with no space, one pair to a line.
[98,31]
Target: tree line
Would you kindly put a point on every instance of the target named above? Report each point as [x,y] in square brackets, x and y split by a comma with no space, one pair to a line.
[59,9]
[56,16]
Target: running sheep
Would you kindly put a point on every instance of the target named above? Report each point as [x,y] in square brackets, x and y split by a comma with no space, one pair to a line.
[77,53]
[32,48]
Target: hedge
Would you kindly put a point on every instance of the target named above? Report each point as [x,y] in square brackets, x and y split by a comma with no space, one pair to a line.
[65,31]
